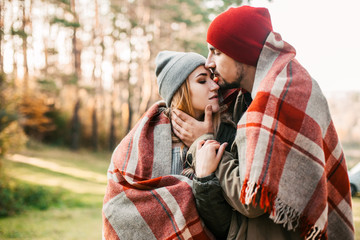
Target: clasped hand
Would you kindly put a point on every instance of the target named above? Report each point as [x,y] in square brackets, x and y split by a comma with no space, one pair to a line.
[187,128]
[208,155]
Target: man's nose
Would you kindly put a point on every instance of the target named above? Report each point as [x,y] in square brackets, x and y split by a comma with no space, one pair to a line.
[209,64]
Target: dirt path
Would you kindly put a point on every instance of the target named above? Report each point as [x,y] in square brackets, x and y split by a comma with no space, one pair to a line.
[80,181]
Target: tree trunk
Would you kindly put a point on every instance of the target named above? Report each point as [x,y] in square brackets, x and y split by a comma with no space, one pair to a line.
[75,127]
[94,135]
[130,113]
[46,56]
[76,124]
[147,82]
[2,13]
[112,134]
[76,50]
[77,56]
[24,48]
[15,66]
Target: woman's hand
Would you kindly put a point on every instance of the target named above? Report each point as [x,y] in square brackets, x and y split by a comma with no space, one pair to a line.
[208,155]
[187,128]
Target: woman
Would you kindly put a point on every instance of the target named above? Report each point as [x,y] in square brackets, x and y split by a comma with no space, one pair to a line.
[147,197]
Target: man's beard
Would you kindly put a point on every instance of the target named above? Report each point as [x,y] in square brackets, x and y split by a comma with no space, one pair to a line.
[239,77]
[225,85]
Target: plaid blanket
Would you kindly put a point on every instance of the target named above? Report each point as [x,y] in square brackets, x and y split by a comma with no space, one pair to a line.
[291,161]
[142,200]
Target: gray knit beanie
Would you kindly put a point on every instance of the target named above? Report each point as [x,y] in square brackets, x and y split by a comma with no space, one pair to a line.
[172,69]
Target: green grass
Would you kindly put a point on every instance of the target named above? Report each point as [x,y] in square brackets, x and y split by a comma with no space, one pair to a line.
[356,214]
[55,223]
[80,178]
[352,158]
[82,159]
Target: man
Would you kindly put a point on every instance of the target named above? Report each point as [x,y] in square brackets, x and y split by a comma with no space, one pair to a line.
[287,177]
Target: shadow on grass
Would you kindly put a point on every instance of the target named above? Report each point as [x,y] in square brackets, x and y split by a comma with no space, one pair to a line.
[74,184]
[17,196]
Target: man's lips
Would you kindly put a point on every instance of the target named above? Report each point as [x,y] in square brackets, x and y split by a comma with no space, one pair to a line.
[216,77]
[215,96]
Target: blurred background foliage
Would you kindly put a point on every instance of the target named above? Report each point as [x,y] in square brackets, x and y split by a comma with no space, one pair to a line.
[79,73]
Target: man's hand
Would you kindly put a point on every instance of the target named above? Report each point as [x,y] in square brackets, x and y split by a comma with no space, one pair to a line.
[187,128]
[208,155]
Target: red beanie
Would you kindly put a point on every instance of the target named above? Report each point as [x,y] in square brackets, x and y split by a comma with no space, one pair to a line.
[240,33]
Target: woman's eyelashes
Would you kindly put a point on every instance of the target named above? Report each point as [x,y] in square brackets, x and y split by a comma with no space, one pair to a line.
[203,78]
[202,81]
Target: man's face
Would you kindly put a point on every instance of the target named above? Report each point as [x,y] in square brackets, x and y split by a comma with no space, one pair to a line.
[229,72]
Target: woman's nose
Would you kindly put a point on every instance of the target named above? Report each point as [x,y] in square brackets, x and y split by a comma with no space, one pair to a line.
[214,86]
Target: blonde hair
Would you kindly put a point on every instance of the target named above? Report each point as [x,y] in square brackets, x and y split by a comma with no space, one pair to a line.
[182,101]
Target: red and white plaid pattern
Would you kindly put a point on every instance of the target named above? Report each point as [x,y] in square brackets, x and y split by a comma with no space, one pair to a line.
[289,151]
[142,200]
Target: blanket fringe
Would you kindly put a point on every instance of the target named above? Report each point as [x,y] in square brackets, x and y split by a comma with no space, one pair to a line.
[280,212]
[285,215]
[290,219]
[267,199]
[250,192]
[314,233]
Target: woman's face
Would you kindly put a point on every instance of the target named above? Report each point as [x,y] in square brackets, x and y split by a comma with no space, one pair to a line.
[203,91]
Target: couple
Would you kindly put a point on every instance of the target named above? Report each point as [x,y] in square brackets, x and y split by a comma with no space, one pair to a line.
[186,172]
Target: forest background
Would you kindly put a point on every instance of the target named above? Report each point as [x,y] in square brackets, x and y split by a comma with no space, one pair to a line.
[78,74]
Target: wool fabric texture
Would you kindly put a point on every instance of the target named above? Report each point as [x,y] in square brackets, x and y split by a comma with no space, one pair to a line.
[143,200]
[240,33]
[292,162]
[172,69]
